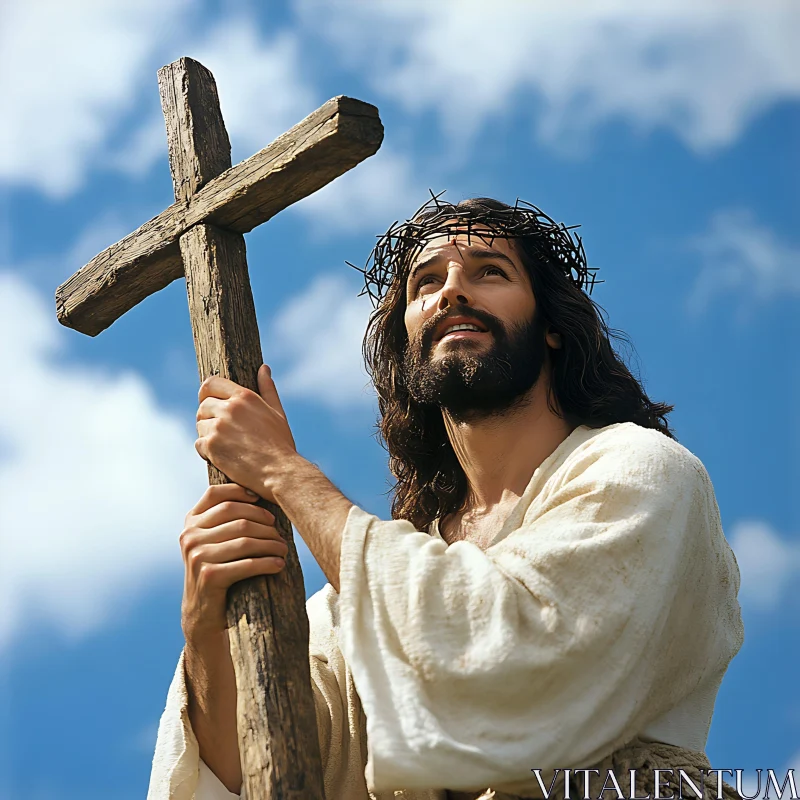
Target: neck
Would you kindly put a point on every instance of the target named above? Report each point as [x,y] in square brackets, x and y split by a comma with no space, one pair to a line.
[499,454]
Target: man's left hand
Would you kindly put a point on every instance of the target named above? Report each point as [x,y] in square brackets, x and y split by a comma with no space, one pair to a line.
[243,434]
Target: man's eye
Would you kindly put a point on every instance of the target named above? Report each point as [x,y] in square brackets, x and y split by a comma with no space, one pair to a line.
[497,270]
[425,280]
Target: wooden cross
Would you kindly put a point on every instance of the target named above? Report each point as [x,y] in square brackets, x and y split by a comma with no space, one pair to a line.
[200,236]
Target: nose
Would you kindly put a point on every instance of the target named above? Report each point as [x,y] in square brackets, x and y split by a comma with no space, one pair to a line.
[454,291]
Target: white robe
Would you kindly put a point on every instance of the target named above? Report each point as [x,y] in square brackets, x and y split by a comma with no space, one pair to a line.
[604,608]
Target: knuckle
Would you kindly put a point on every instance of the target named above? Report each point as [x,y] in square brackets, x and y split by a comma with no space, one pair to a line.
[242,526]
[232,406]
[207,573]
[187,539]
[194,559]
[244,547]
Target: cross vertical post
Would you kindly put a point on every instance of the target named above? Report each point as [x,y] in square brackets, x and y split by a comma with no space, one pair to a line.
[268,626]
[200,237]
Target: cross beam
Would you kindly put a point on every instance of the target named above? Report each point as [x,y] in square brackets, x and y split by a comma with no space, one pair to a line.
[326,144]
[200,237]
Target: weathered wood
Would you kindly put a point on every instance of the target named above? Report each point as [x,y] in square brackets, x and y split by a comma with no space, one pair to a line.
[267,616]
[200,236]
[277,724]
[326,144]
[197,140]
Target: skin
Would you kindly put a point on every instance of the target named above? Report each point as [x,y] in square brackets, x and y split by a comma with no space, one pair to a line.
[499,454]
[246,435]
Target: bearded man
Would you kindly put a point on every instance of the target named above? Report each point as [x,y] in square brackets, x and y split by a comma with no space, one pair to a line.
[554,590]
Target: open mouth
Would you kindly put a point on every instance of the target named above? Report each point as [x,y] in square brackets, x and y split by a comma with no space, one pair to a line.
[460,329]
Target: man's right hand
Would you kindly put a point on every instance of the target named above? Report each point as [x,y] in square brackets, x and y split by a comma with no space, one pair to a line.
[226,538]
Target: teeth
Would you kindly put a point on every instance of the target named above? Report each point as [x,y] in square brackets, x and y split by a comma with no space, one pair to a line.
[464,326]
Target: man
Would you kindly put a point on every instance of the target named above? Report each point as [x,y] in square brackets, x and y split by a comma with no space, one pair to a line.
[554,590]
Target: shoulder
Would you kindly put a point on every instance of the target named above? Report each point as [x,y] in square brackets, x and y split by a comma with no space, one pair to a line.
[631,451]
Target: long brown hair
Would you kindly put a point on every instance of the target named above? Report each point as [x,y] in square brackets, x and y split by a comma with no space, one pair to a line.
[590,382]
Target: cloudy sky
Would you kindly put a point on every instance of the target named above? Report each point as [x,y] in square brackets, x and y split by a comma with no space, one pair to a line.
[670,135]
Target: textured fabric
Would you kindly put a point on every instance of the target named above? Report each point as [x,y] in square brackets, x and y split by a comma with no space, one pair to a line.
[604,610]
[606,601]
[643,757]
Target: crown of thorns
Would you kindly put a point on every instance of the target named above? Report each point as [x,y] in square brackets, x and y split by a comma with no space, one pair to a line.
[396,249]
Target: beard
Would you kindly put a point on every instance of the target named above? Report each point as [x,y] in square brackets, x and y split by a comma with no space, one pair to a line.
[467,381]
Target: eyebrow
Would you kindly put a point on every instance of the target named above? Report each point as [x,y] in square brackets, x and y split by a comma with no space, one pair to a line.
[475,253]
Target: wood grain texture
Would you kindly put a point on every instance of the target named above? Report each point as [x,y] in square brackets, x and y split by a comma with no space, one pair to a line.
[326,144]
[276,719]
[198,144]
[277,723]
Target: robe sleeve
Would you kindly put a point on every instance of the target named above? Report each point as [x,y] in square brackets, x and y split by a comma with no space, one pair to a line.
[614,599]
[178,772]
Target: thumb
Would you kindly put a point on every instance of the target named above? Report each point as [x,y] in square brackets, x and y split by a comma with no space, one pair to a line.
[267,390]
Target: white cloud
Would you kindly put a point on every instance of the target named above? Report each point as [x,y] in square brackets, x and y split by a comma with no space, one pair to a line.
[768,564]
[95,480]
[68,72]
[141,148]
[741,255]
[260,82]
[261,90]
[71,74]
[90,66]
[703,70]
[101,233]
[316,340]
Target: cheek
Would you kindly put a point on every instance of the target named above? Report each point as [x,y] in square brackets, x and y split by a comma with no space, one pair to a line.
[523,303]
[510,303]
[413,320]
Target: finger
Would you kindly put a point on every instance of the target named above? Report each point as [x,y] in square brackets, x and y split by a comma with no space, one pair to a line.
[236,516]
[216,386]
[211,407]
[220,494]
[238,549]
[205,427]
[222,576]
[268,390]
[200,447]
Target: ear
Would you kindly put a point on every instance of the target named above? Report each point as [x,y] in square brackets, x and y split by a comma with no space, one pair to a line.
[553,339]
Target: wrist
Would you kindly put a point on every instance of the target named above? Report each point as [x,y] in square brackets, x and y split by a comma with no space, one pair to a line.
[207,647]
[294,472]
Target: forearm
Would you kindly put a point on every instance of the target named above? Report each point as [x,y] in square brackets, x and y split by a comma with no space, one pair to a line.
[317,509]
[211,685]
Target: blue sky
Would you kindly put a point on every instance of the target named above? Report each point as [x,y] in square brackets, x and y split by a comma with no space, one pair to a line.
[670,135]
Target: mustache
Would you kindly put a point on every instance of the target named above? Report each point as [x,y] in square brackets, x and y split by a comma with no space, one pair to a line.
[428,329]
